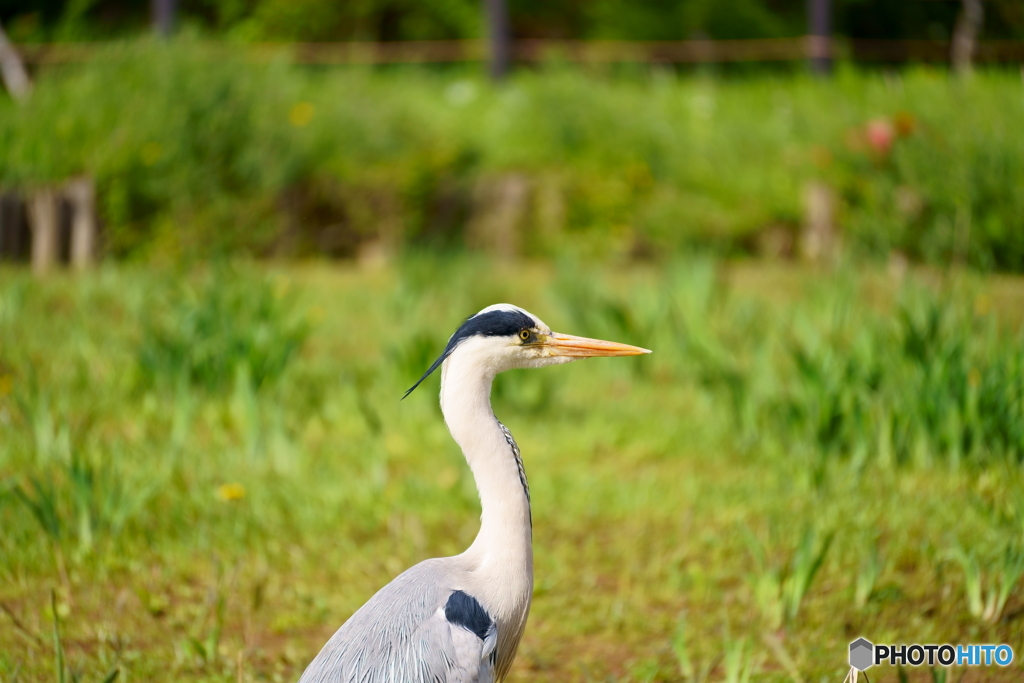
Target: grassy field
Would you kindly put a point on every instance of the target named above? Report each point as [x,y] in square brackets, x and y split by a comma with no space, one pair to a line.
[204,472]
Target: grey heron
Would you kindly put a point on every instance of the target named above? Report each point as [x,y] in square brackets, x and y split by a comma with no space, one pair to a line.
[459,619]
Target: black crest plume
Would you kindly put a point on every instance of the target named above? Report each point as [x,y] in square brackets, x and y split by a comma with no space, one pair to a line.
[499,323]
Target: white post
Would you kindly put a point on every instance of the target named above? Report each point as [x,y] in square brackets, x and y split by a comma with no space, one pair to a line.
[82,194]
[43,216]
[819,241]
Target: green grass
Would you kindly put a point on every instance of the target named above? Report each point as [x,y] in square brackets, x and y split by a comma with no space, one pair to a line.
[692,522]
[198,151]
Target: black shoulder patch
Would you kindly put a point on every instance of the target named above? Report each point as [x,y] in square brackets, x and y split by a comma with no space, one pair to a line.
[463,610]
[491,324]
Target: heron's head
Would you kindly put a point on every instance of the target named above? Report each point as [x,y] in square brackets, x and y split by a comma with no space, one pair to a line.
[504,337]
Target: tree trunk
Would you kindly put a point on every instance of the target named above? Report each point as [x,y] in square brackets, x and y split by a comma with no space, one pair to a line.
[12,70]
[819,30]
[163,15]
[498,38]
[965,36]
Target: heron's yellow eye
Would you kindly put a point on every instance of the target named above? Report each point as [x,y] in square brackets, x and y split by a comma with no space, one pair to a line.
[524,334]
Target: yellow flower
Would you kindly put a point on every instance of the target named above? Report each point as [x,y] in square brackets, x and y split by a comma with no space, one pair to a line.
[301,114]
[229,492]
[5,384]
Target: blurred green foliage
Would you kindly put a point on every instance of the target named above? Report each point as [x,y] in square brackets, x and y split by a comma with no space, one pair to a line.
[197,151]
[225,328]
[922,380]
[932,381]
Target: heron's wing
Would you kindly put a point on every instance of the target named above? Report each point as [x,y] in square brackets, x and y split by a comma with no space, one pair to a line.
[452,653]
[412,631]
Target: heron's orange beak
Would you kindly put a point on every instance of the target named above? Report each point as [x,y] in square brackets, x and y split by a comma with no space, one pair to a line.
[581,347]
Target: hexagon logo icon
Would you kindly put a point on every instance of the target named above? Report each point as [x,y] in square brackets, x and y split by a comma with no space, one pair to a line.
[861,651]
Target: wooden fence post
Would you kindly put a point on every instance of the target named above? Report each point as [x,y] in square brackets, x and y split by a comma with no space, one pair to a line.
[82,194]
[43,216]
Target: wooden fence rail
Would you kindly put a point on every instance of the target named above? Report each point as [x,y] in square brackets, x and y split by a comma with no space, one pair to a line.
[581,51]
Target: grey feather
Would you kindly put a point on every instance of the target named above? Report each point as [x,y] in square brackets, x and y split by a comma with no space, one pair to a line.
[401,635]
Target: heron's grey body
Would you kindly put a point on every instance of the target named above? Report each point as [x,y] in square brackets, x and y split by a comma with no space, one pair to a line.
[403,634]
[459,619]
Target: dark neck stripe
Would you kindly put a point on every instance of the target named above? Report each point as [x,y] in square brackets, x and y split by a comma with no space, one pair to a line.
[519,464]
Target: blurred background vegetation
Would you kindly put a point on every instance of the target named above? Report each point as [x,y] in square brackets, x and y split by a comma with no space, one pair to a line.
[226,154]
[386,20]
[204,465]
[196,151]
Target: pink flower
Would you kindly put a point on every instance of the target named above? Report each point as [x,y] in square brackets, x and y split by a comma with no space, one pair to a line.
[880,135]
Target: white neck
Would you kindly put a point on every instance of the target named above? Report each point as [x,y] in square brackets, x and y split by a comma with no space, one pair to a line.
[502,554]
